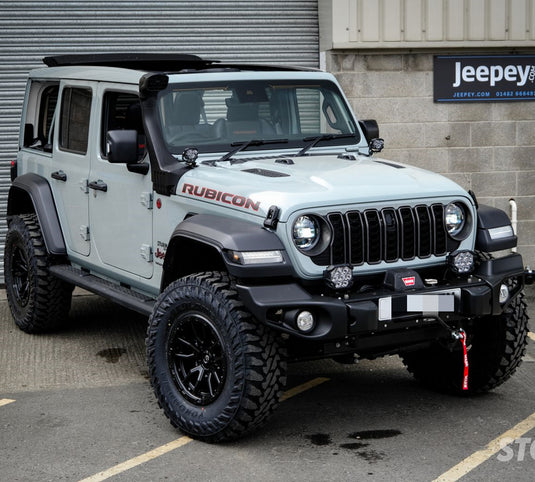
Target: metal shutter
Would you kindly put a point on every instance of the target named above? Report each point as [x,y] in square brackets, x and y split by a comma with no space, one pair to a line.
[274,31]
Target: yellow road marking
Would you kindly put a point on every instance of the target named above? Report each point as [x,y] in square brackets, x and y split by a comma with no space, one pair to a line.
[477,458]
[163,449]
[140,459]
[531,335]
[303,388]
[5,401]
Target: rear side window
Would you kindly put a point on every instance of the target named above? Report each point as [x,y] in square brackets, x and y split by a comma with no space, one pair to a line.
[74,123]
[47,108]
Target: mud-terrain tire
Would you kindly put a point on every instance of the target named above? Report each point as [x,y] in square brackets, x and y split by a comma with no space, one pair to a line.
[495,344]
[216,372]
[39,302]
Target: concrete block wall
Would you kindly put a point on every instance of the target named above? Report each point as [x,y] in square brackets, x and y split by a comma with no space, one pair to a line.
[486,147]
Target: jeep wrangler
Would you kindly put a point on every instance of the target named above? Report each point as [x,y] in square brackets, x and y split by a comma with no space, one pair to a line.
[241,209]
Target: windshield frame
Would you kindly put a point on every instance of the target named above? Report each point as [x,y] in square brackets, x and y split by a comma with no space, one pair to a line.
[326,86]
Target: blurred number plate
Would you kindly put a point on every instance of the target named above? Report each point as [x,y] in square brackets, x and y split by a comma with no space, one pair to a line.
[436,302]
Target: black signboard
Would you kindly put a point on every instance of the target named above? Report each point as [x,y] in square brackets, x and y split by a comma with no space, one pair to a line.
[484,78]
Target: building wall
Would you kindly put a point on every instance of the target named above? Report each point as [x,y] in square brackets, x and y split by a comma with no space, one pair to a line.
[487,147]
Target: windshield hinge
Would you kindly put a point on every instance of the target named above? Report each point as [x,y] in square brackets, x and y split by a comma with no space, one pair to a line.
[272,218]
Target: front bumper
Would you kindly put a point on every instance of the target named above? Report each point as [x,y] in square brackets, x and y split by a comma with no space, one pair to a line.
[420,314]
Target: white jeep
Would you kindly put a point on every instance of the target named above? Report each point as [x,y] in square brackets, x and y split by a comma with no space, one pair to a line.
[241,208]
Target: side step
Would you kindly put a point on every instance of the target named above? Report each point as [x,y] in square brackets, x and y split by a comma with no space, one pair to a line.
[121,295]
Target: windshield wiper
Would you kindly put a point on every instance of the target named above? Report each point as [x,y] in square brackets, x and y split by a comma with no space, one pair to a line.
[241,146]
[315,140]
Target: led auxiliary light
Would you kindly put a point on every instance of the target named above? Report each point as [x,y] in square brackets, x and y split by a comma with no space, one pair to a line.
[339,277]
[461,262]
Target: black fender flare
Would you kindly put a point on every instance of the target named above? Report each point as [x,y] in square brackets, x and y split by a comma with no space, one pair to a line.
[494,230]
[31,193]
[224,235]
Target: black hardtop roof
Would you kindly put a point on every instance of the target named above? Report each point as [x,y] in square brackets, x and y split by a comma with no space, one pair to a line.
[154,62]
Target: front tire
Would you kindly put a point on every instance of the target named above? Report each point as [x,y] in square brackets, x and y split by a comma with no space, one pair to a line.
[496,345]
[216,372]
[39,301]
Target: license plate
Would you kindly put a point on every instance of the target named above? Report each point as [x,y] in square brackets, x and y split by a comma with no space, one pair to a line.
[431,303]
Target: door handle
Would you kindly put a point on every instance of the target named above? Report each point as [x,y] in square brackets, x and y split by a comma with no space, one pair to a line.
[59,175]
[98,185]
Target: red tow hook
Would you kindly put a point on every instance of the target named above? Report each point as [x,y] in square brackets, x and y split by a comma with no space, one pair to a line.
[465,359]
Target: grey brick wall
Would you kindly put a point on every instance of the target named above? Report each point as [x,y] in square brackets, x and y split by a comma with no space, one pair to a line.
[486,147]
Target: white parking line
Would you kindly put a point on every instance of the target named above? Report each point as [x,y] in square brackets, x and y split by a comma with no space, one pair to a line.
[477,458]
[531,335]
[5,401]
[163,449]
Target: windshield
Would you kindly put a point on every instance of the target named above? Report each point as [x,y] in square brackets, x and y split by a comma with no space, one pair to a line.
[216,116]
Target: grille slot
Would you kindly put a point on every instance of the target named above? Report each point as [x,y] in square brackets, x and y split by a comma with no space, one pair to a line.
[372,236]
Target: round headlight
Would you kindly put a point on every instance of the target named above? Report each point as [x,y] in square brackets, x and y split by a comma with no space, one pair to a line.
[455,219]
[306,232]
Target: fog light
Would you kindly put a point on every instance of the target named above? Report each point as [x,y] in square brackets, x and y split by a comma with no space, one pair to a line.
[462,262]
[305,321]
[504,294]
[339,277]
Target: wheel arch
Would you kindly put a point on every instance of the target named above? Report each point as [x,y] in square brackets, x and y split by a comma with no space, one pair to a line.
[31,193]
[202,243]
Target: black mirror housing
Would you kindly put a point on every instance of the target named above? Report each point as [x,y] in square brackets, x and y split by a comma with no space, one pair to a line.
[122,146]
[370,128]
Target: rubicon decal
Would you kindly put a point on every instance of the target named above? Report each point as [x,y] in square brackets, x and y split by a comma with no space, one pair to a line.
[220,196]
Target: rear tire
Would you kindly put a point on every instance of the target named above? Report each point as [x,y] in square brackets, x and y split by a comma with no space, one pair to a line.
[496,345]
[216,372]
[39,301]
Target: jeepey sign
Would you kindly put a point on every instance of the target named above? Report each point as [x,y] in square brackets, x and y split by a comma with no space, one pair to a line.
[484,78]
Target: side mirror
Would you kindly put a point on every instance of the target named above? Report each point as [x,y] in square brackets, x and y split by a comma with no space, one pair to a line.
[370,128]
[122,146]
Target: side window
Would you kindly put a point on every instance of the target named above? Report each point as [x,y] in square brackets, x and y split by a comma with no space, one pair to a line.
[47,107]
[40,110]
[74,119]
[121,110]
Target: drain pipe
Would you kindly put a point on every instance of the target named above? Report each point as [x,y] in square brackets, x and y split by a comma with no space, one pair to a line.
[514,221]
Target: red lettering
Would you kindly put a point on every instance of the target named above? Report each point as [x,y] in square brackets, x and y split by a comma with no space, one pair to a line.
[210,194]
[199,191]
[238,200]
[225,196]
[188,188]
[250,204]
[220,196]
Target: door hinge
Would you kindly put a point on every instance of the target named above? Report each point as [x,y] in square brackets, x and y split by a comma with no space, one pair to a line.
[84,232]
[146,199]
[84,185]
[146,252]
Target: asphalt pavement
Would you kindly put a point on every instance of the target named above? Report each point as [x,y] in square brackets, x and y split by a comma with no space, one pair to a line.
[77,405]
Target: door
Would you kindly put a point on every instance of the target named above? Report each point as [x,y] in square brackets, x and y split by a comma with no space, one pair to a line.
[69,167]
[120,201]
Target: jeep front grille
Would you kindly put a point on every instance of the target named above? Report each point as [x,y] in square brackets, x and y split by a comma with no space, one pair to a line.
[372,236]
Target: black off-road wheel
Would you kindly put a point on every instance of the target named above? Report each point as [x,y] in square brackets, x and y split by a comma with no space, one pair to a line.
[216,372]
[495,347]
[39,302]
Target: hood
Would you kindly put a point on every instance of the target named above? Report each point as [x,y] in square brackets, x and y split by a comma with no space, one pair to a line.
[296,183]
